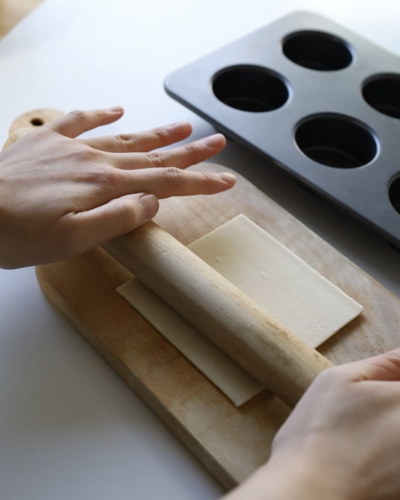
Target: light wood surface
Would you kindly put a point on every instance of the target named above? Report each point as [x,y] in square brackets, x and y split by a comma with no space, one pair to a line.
[230,442]
[30,121]
[35,119]
[17,135]
[277,358]
[12,11]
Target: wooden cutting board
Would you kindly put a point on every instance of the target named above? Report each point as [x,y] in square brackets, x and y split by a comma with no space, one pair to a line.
[230,442]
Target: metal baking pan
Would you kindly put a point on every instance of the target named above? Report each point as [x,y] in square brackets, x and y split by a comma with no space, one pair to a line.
[320,101]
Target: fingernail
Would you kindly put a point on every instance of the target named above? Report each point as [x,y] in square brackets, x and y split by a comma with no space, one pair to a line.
[116,109]
[227,177]
[150,205]
[213,140]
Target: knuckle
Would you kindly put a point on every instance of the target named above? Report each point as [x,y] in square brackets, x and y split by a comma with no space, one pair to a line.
[102,180]
[208,178]
[87,155]
[156,158]
[107,177]
[101,113]
[393,358]
[173,176]
[78,114]
[159,134]
[191,148]
[129,216]
[126,140]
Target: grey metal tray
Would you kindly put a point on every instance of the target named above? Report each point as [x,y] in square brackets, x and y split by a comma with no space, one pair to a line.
[317,99]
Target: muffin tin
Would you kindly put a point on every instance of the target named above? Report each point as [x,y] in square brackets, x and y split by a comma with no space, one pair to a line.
[317,99]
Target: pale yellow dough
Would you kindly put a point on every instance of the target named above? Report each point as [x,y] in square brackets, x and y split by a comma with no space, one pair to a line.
[283,284]
[227,375]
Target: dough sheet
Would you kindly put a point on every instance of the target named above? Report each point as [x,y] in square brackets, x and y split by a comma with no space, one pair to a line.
[283,284]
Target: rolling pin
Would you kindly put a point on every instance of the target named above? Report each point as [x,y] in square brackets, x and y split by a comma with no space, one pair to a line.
[280,360]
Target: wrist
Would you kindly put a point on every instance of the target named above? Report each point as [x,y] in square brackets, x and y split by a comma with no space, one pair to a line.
[304,478]
[295,478]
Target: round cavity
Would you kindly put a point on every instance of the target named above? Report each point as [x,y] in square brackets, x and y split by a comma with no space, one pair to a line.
[394,194]
[37,122]
[382,92]
[250,88]
[317,50]
[336,141]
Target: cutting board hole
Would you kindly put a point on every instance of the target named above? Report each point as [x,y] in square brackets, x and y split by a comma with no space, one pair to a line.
[250,88]
[336,141]
[317,50]
[37,122]
[382,92]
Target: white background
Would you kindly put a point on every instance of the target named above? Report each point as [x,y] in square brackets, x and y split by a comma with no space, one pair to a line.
[69,427]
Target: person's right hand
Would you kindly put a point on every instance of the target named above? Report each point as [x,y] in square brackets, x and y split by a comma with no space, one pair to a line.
[342,441]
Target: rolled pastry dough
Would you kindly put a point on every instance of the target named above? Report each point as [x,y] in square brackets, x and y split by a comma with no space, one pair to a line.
[283,284]
[226,374]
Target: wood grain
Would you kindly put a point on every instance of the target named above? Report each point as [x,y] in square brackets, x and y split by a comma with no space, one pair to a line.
[12,11]
[281,361]
[35,119]
[230,442]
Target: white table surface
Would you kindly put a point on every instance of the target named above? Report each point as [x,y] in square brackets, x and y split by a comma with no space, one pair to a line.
[69,427]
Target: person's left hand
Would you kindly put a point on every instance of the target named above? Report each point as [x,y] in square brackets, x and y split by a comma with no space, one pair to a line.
[61,196]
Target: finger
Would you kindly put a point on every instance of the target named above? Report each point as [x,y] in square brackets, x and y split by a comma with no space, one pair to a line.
[113,219]
[182,157]
[172,181]
[78,122]
[385,367]
[143,141]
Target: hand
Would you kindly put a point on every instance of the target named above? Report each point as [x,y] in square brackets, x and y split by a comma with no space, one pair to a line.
[342,441]
[60,196]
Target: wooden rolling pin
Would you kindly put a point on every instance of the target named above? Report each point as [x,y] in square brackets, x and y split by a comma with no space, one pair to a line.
[284,363]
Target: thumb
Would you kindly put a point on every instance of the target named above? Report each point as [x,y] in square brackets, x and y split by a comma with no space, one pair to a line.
[115,218]
[385,367]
